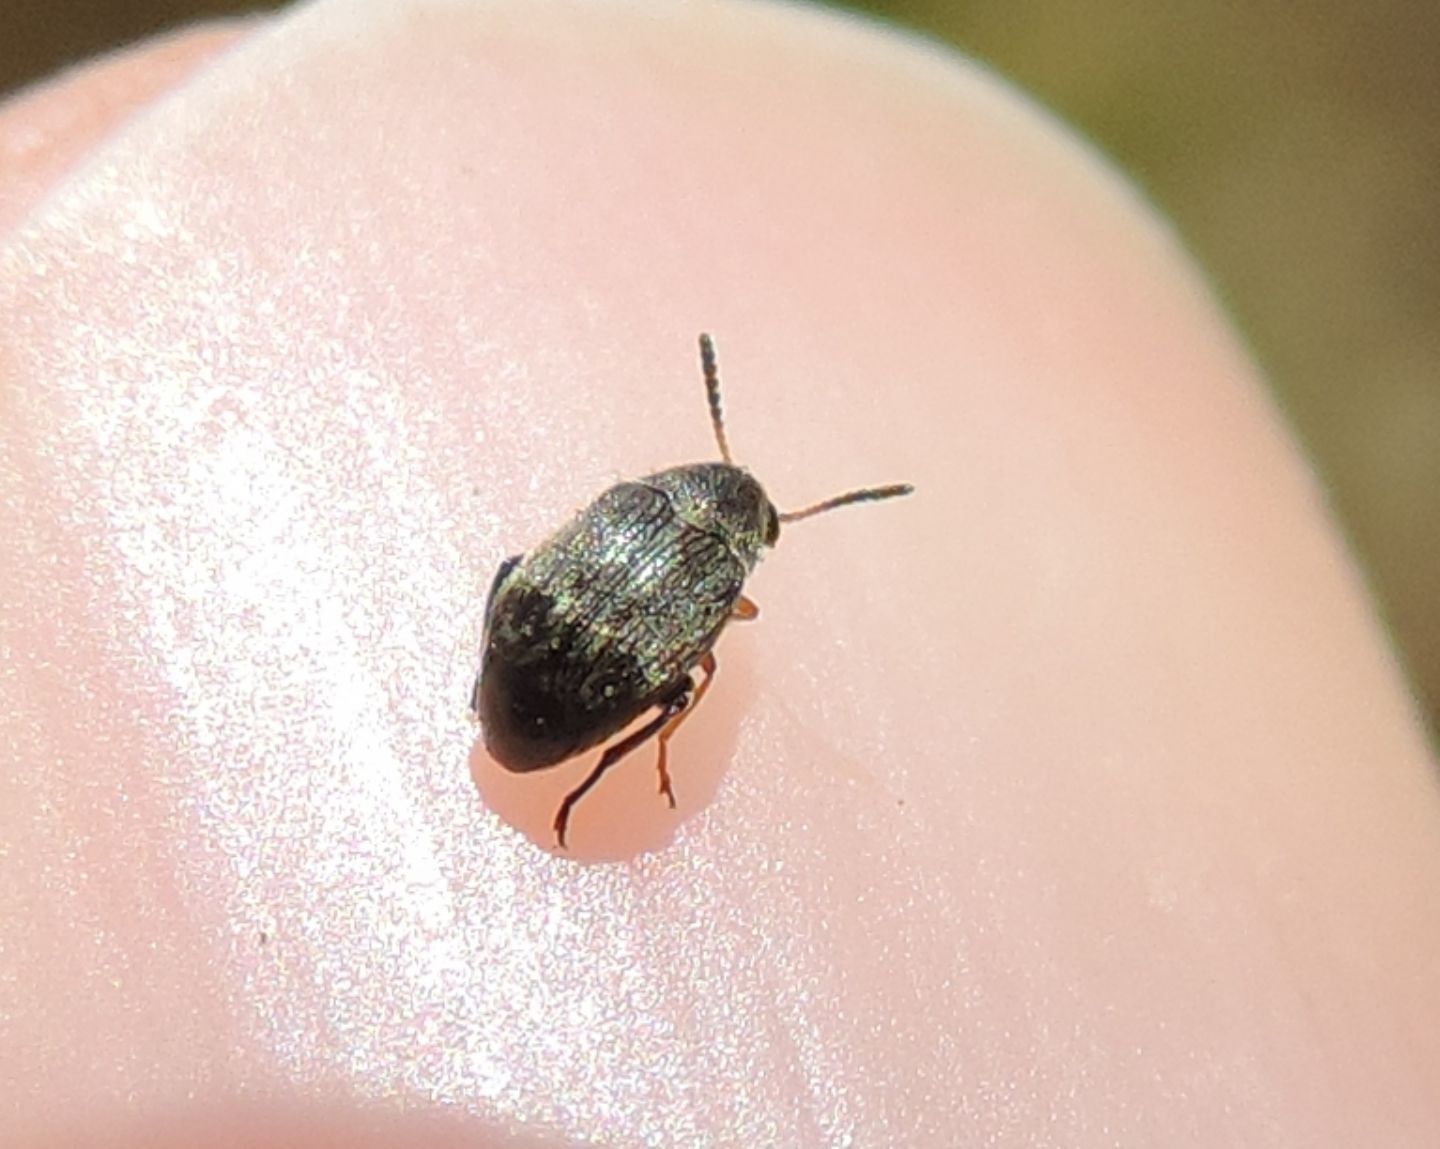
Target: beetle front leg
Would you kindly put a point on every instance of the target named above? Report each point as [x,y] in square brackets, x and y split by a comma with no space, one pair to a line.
[707,667]
[501,574]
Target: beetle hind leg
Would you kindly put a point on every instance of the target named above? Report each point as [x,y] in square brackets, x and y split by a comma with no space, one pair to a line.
[672,714]
[670,710]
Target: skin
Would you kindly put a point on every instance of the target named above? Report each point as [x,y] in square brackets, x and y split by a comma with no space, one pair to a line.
[1075,800]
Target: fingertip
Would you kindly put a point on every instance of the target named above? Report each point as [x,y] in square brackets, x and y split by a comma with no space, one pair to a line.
[48,128]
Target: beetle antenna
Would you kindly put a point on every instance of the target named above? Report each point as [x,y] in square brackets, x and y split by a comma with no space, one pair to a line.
[868,495]
[712,391]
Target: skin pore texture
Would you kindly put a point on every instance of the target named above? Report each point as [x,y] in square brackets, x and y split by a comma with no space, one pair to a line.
[1074,801]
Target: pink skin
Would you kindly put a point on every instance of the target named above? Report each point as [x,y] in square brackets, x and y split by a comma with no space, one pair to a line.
[1075,800]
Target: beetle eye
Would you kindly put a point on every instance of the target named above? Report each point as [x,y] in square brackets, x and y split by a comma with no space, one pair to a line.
[772,526]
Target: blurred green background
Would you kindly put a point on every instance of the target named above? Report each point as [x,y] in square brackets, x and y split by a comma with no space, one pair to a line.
[1295,144]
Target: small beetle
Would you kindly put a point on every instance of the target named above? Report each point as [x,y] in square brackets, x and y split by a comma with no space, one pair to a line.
[607,618]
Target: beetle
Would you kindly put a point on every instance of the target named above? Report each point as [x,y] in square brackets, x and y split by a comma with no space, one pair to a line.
[611,616]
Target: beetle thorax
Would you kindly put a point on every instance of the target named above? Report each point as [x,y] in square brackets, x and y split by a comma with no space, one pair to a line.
[725,500]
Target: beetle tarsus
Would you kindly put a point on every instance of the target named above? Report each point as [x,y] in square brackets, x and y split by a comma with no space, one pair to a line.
[666,791]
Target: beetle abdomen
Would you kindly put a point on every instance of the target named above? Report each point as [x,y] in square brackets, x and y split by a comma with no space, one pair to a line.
[598,624]
[541,703]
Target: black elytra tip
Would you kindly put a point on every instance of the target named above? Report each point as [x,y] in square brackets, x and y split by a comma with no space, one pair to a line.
[612,615]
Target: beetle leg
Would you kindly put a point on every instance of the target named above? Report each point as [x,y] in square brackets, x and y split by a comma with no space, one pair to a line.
[707,666]
[501,572]
[675,706]
[745,610]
